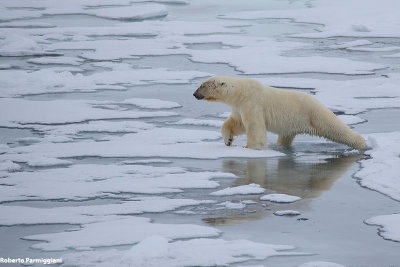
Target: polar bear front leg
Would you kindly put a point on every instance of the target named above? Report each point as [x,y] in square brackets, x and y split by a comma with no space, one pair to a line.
[232,127]
[255,131]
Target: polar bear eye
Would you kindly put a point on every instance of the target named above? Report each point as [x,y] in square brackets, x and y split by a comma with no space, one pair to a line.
[222,83]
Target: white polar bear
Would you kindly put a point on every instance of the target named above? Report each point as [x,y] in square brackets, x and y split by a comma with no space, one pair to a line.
[257,108]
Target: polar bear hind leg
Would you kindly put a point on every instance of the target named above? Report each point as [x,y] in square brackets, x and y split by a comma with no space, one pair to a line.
[285,140]
[325,124]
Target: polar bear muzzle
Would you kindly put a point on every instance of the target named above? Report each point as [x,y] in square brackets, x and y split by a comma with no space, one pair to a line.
[205,91]
[197,95]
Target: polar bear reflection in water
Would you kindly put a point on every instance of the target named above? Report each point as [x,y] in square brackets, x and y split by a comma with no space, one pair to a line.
[286,175]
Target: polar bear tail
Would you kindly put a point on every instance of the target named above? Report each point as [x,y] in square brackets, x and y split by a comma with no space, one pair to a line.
[324,123]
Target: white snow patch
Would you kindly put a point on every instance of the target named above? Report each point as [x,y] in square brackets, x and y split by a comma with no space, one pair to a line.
[9,166]
[158,251]
[156,142]
[16,45]
[135,12]
[351,119]
[70,130]
[389,226]
[20,112]
[370,21]
[224,114]
[320,264]
[280,198]
[240,190]
[287,213]
[381,171]
[47,162]
[85,181]
[119,232]
[56,60]
[248,59]
[233,205]
[212,123]
[151,103]
[145,161]
[26,24]
[346,45]
[83,214]
[52,80]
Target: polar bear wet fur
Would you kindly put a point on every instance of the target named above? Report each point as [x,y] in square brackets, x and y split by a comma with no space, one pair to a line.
[257,109]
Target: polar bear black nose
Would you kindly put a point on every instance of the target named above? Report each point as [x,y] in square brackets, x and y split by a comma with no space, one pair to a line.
[198,96]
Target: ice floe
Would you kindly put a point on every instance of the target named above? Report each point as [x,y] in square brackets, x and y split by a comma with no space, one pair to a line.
[321,264]
[47,162]
[83,214]
[388,226]
[371,20]
[280,198]
[159,251]
[240,190]
[157,142]
[41,8]
[49,80]
[233,205]
[136,12]
[87,181]
[71,130]
[9,166]
[19,112]
[56,60]
[380,172]
[16,45]
[199,122]
[287,213]
[151,103]
[126,231]
[251,59]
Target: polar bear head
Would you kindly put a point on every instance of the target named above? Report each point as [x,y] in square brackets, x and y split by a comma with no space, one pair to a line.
[214,89]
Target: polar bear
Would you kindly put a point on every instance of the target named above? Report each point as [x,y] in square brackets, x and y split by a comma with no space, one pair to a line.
[257,109]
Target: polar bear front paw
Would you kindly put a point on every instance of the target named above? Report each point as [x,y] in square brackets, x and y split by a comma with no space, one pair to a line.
[228,141]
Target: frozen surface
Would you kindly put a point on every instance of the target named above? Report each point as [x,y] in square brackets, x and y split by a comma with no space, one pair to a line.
[125,231]
[388,226]
[157,250]
[90,214]
[280,198]
[287,213]
[18,82]
[199,122]
[240,190]
[25,112]
[372,20]
[381,171]
[321,264]
[56,60]
[151,103]
[80,182]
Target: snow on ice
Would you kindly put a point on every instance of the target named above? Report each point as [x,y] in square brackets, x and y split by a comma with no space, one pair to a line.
[158,250]
[388,226]
[240,190]
[87,181]
[280,198]
[381,171]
